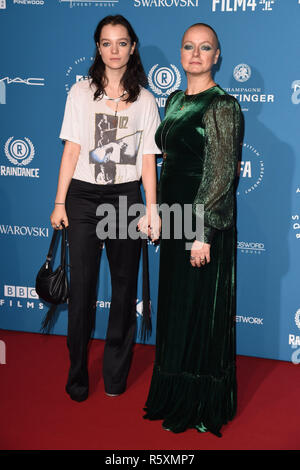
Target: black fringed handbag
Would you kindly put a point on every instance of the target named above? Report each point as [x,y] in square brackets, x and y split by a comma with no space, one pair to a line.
[53,286]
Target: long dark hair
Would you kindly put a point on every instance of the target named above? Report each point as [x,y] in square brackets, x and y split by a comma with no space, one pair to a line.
[134,75]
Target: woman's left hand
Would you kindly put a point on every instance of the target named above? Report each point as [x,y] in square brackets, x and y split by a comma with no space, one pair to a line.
[200,254]
[150,225]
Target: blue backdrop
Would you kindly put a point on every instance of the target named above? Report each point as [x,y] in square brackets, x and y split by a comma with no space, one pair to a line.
[46,45]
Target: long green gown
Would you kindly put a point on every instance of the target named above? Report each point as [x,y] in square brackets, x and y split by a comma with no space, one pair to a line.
[194,376]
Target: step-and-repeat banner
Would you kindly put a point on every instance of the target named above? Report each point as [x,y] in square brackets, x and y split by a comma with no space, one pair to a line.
[47,45]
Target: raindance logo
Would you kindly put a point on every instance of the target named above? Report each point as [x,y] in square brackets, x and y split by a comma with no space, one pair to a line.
[163,81]
[242,73]
[2,4]
[297,318]
[78,71]
[296,92]
[251,170]
[90,3]
[251,247]
[242,5]
[19,152]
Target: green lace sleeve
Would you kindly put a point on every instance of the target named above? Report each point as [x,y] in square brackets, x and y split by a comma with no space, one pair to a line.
[222,122]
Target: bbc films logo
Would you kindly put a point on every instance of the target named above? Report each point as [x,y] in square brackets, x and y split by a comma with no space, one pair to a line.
[77,71]
[91,3]
[163,81]
[5,81]
[166,3]
[20,297]
[231,6]
[251,170]
[19,152]
[246,94]
[296,91]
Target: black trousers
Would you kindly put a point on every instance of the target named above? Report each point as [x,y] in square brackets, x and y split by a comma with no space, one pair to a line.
[123,256]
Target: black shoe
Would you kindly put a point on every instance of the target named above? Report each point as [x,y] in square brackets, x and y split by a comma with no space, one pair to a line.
[77,395]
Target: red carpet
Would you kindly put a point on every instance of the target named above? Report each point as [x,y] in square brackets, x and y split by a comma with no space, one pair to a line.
[36,413]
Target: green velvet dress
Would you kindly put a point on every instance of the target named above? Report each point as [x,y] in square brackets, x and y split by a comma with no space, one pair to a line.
[194,377]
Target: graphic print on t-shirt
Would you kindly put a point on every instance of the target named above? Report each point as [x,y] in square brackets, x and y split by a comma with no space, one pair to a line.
[113,158]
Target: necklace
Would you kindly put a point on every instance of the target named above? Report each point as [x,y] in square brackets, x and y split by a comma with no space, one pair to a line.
[116,100]
[164,141]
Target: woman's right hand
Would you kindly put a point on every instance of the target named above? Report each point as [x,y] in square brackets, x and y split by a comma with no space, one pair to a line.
[59,215]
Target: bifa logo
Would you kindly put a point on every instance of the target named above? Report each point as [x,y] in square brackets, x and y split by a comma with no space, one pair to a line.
[2,352]
[77,71]
[2,4]
[251,169]
[296,91]
[163,81]
[242,5]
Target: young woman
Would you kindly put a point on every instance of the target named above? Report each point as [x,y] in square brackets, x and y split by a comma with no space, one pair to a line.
[194,376]
[109,126]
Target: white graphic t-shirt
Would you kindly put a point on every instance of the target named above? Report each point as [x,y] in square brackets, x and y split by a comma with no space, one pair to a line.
[111,146]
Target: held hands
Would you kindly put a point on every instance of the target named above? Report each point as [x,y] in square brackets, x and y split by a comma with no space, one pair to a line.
[59,215]
[200,254]
[150,224]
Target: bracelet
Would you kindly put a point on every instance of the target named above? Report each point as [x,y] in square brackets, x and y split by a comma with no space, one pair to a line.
[60,203]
